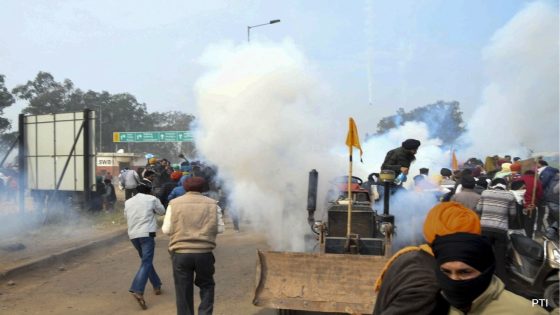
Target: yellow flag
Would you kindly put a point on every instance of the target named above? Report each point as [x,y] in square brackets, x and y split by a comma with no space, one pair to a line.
[352,140]
[454,163]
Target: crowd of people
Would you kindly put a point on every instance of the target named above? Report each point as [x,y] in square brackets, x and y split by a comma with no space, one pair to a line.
[189,197]
[192,221]
[461,267]
[507,193]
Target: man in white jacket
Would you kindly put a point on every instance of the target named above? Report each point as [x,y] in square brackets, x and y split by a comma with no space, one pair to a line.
[140,211]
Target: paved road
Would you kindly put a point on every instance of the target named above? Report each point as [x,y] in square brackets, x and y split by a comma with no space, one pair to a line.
[98,282]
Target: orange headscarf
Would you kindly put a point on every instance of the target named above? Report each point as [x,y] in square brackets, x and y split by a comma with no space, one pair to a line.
[443,219]
[448,218]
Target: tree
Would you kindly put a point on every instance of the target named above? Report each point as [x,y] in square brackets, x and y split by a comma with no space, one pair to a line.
[114,112]
[444,120]
[6,100]
[44,94]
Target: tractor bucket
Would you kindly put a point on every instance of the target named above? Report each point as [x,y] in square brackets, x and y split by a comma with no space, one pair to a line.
[316,282]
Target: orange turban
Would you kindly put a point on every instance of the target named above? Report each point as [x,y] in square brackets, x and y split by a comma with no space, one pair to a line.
[175,176]
[515,167]
[448,218]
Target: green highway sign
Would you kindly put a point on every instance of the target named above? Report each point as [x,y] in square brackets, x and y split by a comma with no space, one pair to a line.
[153,136]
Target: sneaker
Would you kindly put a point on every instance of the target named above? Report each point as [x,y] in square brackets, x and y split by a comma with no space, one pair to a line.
[140,299]
[157,291]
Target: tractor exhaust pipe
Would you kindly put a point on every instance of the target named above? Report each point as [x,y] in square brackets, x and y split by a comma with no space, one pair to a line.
[312,196]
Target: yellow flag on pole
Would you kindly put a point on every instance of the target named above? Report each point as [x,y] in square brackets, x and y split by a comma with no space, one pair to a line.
[454,163]
[352,140]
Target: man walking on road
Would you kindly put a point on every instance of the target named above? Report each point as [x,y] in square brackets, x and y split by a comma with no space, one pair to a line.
[192,222]
[140,212]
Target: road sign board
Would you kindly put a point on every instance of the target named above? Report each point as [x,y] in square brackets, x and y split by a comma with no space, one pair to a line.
[153,136]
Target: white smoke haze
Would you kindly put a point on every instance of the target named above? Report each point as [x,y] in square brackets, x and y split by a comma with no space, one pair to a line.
[519,110]
[260,120]
[429,155]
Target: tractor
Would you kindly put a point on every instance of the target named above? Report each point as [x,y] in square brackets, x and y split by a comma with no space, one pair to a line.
[339,278]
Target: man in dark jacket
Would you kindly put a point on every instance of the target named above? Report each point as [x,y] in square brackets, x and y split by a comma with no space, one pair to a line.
[399,159]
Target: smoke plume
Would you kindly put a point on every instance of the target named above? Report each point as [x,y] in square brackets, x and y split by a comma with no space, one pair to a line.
[519,110]
[261,122]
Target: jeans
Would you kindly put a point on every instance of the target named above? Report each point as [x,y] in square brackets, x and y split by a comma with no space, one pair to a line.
[200,268]
[145,247]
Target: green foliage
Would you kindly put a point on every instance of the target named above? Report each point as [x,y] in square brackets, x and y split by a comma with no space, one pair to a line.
[114,112]
[6,100]
[444,120]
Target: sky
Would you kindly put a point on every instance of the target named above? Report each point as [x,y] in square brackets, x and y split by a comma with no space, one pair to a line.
[373,56]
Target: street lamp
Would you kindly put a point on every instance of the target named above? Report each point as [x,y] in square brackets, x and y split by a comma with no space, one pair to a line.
[250,27]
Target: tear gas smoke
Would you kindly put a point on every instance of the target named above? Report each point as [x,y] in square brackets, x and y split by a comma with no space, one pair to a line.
[430,154]
[519,109]
[261,122]
[409,207]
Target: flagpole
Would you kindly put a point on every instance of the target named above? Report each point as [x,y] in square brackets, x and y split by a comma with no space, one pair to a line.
[349,220]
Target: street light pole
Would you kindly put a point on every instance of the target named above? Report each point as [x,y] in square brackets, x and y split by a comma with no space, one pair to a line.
[100,128]
[250,27]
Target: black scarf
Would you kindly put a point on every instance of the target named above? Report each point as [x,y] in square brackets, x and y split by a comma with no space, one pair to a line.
[461,293]
[473,250]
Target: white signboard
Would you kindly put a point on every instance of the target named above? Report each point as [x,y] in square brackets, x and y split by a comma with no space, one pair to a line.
[48,146]
[104,161]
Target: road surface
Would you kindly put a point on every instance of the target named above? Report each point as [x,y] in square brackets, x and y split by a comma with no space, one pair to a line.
[98,282]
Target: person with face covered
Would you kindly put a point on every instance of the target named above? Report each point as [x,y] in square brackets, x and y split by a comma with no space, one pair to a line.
[465,273]
[407,284]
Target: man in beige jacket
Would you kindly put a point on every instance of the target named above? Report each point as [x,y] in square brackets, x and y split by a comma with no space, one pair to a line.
[192,222]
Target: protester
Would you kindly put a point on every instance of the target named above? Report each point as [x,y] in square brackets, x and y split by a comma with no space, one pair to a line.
[467,197]
[497,207]
[399,159]
[192,222]
[547,176]
[140,211]
[505,172]
[407,284]
[532,198]
[179,190]
[129,180]
[169,186]
[466,277]
[109,197]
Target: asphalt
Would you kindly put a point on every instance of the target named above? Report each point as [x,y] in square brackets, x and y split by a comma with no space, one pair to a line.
[62,255]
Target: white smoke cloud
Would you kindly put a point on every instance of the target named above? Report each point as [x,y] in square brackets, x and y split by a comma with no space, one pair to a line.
[261,122]
[429,155]
[519,108]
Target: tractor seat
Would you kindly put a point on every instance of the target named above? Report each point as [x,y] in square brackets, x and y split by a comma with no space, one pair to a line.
[527,247]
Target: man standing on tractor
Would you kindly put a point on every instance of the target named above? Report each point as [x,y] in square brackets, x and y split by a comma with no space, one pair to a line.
[399,159]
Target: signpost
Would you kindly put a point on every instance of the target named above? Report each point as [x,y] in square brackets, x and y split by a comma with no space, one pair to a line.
[153,136]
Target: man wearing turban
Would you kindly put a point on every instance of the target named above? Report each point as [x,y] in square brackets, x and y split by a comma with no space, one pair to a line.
[408,284]
[192,222]
[399,159]
[465,274]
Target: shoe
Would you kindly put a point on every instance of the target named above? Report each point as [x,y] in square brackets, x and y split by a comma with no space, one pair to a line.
[157,291]
[140,299]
